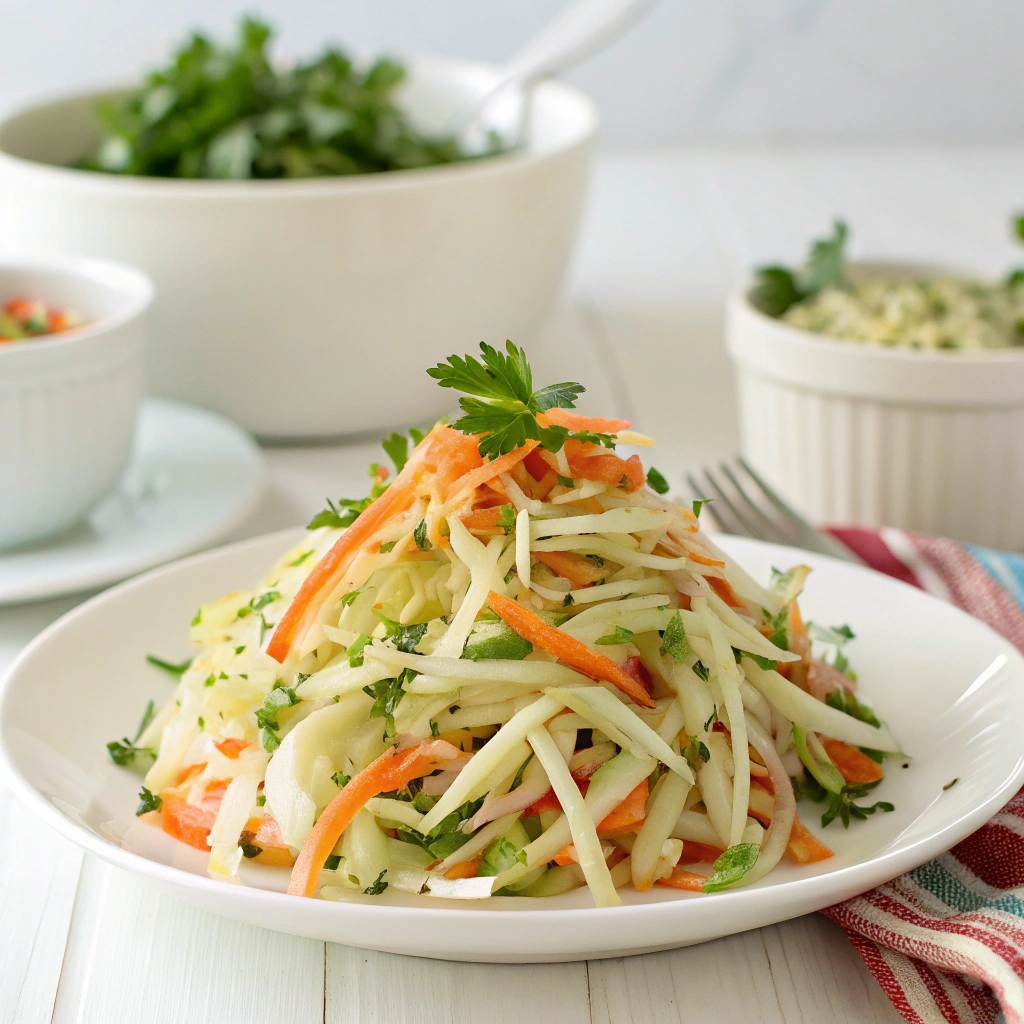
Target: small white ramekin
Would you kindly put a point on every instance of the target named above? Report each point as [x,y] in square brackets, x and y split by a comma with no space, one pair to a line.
[856,434]
[68,402]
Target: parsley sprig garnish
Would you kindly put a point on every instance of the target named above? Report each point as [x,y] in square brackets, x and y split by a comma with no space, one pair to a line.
[779,288]
[503,406]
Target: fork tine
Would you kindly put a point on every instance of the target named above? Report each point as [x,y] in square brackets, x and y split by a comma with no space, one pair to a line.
[720,495]
[701,492]
[770,529]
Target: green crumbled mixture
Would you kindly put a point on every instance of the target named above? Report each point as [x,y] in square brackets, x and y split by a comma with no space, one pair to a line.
[920,313]
[219,111]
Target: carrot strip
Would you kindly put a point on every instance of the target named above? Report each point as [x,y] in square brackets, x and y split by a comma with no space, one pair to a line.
[467,869]
[856,768]
[628,816]
[392,770]
[489,470]
[699,853]
[188,823]
[532,627]
[588,462]
[578,570]
[704,560]
[482,519]
[596,424]
[231,747]
[442,444]
[804,847]
[723,588]
[683,879]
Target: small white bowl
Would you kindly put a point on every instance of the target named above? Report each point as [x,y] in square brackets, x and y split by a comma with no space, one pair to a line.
[311,307]
[68,402]
[857,434]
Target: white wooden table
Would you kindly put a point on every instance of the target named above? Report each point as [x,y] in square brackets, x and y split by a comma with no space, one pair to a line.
[666,236]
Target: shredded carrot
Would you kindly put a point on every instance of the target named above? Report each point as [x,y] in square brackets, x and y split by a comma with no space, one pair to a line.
[589,462]
[855,767]
[804,847]
[489,470]
[628,816]
[442,446]
[596,424]
[189,772]
[699,853]
[392,770]
[467,869]
[579,571]
[683,879]
[704,559]
[189,823]
[723,588]
[231,747]
[483,520]
[532,627]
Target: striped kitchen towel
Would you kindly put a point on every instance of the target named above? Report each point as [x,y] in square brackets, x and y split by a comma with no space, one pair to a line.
[946,941]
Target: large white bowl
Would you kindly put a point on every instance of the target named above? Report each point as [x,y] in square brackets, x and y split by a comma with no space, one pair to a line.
[951,690]
[297,307]
[859,434]
[68,402]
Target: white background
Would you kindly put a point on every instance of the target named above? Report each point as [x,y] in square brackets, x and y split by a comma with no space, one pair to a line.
[719,71]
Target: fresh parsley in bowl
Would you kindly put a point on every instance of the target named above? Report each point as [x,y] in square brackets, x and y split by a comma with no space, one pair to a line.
[935,310]
[217,111]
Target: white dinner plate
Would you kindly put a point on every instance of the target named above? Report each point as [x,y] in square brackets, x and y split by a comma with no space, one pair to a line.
[192,478]
[951,690]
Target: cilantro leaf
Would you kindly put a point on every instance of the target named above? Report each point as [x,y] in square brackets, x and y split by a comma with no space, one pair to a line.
[673,640]
[405,637]
[842,805]
[446,836]
[344,514]
[619,635]
[124,752]
[656,481]
[696,752]
[507,519]
[387,694]
[732,865]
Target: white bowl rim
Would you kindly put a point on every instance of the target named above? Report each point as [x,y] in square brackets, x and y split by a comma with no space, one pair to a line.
[801,336]
[136,286]
[286,188]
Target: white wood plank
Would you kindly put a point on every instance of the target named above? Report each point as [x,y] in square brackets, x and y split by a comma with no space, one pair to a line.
[136,954]
[380,988]
[39,873]
[799,972]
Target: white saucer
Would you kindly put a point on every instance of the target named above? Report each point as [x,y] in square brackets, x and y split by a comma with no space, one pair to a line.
[192,478]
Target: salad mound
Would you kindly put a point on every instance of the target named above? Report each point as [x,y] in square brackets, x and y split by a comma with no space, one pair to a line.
[514,669]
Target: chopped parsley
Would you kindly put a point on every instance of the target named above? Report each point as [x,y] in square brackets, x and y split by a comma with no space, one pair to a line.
[447,835]
[698,504]
[504,408]
[266,717]
[656,481]
[341,780]
[333,862]
[841,805]
[696,753]
[566,481]
[837,637]
[619,635]
[147,802]
[500,856]
[355,651]
[842,700]
[405,638]
[210,680]
[387,694]
[170,667]
[702,670]
[378,886]
[420,536]
[301,559]
[387,546]
[507,519]
[434,729]
[674,641]
[778,288]
[713,717]
[125,752]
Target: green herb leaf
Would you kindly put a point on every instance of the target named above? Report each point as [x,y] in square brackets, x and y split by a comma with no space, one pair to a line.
[446,836]
[170,667]
[504,408]
[674,641]
[266,717]
[397,448]
[696,753]
[420,536]
[344,514]
[333,862]
[355,651]
[656,481]
[341,780]
[147,802]
[777,288]
[405,638]
[843,700]
[507,519]
[619,635]
[498,857]
[125,753]
[733,864]
[378,886]
[387,694]
[494,640]
[566,481]
[387,546]
[698,504]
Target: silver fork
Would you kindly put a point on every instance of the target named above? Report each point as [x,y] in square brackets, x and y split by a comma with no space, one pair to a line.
[743,503]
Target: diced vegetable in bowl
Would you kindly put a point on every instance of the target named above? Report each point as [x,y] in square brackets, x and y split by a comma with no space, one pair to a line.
[23,318]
